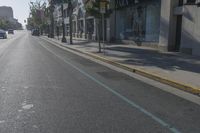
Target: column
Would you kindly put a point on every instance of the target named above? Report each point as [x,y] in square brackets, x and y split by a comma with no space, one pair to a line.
[76,34]
[95,31]
[167,37]
[108,29]
[84,28]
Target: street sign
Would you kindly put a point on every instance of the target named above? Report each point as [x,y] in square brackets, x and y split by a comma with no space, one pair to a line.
[103,7]
[65,6]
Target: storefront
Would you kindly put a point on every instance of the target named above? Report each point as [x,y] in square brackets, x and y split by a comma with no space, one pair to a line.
[138,21]
[83,25]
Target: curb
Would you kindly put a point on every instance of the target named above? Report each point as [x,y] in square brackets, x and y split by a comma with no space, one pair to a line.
[176,84]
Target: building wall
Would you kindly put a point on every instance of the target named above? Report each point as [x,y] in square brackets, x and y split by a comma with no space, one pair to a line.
[190,38]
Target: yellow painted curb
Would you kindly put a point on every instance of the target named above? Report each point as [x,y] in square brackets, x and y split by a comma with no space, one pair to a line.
[144,73]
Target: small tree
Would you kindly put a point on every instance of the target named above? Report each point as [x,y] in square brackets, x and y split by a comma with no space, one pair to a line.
[3,24]
[93,9]
[37,17]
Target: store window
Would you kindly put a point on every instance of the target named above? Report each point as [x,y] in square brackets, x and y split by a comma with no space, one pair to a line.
[139,22]
[132,21]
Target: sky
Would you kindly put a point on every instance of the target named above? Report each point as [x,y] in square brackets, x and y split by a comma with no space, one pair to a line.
[20,8]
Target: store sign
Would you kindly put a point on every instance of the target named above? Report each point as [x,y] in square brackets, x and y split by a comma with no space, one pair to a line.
[125,3]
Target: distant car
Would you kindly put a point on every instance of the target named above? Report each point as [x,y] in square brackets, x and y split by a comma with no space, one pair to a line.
[35,32]
[10,31]
[3,34]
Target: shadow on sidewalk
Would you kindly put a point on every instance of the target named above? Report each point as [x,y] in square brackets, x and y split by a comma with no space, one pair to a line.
[146,57]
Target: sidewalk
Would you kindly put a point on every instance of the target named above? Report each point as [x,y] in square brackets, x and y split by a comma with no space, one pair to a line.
[176,67]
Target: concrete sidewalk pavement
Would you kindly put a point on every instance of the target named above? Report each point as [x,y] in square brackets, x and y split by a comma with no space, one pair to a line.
[175,69]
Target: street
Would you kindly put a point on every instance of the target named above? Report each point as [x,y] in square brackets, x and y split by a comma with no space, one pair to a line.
[45,89]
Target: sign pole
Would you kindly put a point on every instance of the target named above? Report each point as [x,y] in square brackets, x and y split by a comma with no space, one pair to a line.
[103,30]
[103,11]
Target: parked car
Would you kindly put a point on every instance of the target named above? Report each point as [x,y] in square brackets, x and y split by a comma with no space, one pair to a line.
[3,34]
[35,32]
[10,31]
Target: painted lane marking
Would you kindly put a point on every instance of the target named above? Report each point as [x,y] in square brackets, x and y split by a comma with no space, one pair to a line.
[28,106]
[132,103]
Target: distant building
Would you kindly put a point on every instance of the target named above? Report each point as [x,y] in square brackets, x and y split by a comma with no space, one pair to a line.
[6,12]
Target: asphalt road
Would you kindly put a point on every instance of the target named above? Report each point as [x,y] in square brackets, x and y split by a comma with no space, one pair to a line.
[44,89]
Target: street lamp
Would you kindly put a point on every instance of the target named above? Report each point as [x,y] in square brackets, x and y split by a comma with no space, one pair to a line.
[70,10]
[61,2]
[52,19]
[63,25]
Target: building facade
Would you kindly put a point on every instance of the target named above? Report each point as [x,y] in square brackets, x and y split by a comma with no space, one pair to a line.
[169,25]
[6,13]
[179,26]
[190,29]
[83,25]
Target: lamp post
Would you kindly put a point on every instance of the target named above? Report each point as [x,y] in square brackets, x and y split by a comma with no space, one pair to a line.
[70,10]
[103,9]
[52,19]
[63,25]
[48,21]
[61,2]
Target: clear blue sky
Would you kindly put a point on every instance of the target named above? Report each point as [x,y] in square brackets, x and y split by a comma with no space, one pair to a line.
[20,8]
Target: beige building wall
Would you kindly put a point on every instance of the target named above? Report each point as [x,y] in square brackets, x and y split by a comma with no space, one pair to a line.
[167,38]
[190,38]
